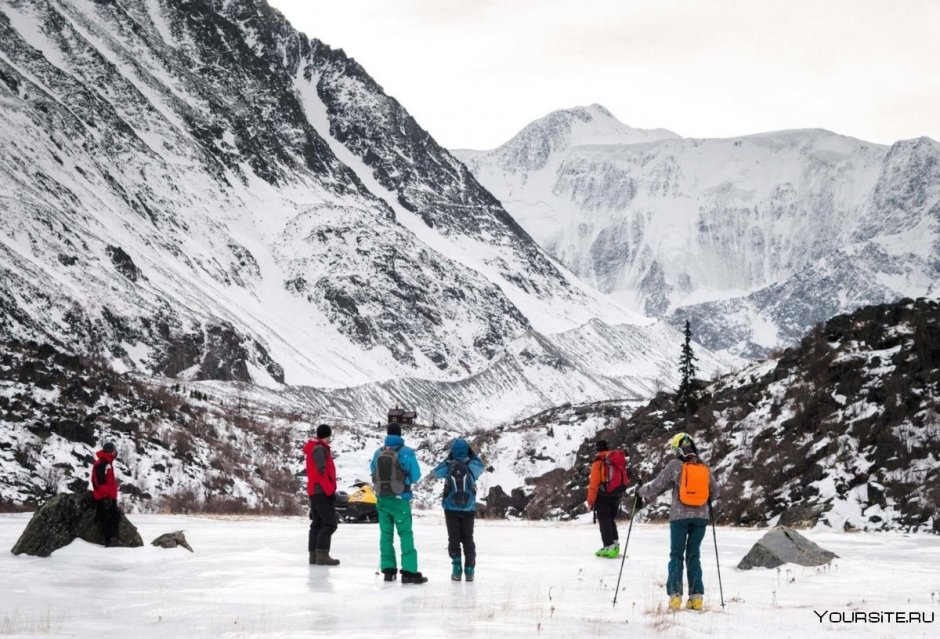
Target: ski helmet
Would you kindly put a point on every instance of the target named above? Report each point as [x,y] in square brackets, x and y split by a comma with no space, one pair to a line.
[682,445]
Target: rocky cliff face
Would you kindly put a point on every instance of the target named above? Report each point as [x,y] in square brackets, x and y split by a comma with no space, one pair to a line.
[753,238]
[841,430]
[196,190]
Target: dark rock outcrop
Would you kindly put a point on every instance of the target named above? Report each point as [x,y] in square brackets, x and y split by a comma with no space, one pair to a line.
[172,540]
[784,545]
[65,518]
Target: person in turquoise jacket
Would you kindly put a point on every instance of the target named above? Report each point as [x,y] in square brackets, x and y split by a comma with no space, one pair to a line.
[460,472]
[395,513]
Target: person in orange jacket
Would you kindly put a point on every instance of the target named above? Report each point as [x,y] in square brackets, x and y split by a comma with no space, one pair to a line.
[608,483]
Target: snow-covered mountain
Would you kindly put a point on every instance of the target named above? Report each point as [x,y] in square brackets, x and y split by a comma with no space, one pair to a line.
[755,238]
[197,190]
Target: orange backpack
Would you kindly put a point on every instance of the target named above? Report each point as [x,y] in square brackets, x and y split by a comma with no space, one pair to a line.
[693,484]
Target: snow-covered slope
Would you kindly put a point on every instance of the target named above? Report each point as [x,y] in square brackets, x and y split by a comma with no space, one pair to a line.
[755,238]
[198,191]
[841,430]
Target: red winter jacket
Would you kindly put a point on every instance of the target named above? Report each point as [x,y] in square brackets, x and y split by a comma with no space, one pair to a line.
[321,474]
[102,477]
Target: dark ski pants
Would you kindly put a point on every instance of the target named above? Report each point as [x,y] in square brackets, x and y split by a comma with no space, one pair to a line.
[322,522]
[607,507]
[109,518]
[460,532]
[686,540]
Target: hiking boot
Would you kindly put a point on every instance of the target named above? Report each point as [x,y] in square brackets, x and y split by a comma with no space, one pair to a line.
[324,559]
[413,577]
[675,602]
[694,602]
[613,551]
[468,572]
[457,570]
[391,574]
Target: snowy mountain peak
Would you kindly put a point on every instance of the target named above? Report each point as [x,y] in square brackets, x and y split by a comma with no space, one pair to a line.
[755,238]
[559,131]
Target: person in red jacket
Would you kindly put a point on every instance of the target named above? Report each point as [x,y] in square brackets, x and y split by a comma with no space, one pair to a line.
[105,491]
[321,488]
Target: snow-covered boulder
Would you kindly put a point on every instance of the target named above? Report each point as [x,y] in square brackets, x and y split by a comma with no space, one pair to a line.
[65,518]
[783,545]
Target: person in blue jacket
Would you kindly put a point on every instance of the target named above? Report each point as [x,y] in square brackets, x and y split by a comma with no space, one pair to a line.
[460,472]
[393,494]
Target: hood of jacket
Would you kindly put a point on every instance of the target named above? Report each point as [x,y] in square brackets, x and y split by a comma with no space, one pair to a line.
[394,441]
[460,449]
[108,457]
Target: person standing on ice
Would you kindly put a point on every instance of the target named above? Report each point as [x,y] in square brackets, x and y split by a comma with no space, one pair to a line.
[321,488]
[608,483]
[105,492]
[460,472]
[693,487]
[394,470]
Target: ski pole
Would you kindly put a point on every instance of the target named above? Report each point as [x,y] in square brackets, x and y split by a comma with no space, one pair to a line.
[711,515]
[636,495]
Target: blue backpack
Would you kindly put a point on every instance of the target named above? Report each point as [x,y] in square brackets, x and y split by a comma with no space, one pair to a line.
[459,486]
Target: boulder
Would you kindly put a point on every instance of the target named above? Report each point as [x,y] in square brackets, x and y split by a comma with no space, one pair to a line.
[172,540]
[65,518]
[783,545]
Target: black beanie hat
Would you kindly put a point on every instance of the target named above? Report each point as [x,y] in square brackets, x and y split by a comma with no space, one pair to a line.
[602,445]
[393,429]
[109,447]
[324,431]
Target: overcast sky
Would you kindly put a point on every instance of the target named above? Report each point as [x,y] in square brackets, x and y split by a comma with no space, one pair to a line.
[473,72]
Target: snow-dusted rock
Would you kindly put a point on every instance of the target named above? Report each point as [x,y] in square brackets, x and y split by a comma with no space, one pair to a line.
[172,540]
[783,545]
[65,518]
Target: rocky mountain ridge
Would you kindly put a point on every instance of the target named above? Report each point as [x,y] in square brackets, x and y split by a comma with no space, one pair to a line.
[196,190]
[839,431]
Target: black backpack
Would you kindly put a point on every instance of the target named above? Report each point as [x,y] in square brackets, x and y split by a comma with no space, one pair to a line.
[389,478]
[459,484]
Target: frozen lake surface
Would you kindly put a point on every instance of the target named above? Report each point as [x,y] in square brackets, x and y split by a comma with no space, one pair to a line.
[249,578]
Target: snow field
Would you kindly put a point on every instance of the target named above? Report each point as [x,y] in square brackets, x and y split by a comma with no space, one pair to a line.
[249,578]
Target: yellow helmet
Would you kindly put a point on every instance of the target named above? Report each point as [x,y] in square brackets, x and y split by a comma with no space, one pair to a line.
[682,445]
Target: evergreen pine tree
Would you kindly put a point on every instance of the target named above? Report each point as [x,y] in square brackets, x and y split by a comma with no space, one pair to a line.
[685,396]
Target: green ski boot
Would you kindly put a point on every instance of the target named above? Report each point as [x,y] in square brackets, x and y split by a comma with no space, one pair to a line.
[613,551]
[457,570]
[601,552]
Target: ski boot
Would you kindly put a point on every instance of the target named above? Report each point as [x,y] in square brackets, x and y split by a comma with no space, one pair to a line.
[613,551]
[468,572]
[675,602]
[694,602]
[323,559]
[457,570]
[601,552]
[413,577]
[391,574]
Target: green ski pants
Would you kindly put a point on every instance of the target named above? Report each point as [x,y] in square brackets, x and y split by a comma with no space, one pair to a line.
[395,512]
